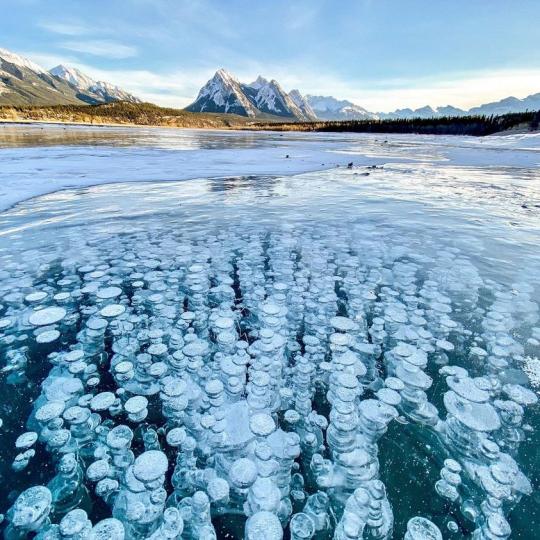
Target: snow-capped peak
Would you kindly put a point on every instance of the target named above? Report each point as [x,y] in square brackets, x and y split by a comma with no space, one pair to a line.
[258,83]
[73,76]
[301,102]
[101,91]
[20,61]
[222,93]
[225,76]
[330,108]
[296,96]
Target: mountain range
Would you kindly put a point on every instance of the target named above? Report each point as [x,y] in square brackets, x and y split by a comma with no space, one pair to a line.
[22,82]
[224,93]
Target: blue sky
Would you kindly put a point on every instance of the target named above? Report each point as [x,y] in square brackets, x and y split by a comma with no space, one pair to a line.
[381,54]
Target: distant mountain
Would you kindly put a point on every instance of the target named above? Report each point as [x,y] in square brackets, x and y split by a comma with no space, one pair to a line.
[504,106]
[224,93]
[508,105]
[99,90]
[302,103]
[23,82]
[450,110]
[330,108]
[422,112]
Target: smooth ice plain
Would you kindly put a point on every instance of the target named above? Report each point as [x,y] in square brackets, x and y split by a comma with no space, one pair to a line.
[236,335]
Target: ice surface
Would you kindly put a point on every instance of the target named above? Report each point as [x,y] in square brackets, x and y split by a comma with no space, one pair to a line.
[260,355]
[182,154]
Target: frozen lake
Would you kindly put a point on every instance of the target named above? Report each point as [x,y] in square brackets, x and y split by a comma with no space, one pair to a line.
[125,244]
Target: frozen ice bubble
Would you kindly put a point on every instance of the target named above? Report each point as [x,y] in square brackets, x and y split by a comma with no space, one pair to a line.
[292,416]
[26,440]
[340,340]
[98,470]
[63,389]
[112,310]
[176,437]
[5,323]
[119,437]
[47,316]
[102,401]
[419,528]
[389,396]
[302,526]
[136,404]
[150,466]
[243,473]
[342,324]
[106,293]
[107,529]
[262,424]
[520,394]
[36,296]
[50,410]
[96,324]
[478,416]
[75,524]
[498,526]
[74,356]
[467,389]
[218,490]
[263,526]
[48,336]
[76,414]
[31,507]
[196,348]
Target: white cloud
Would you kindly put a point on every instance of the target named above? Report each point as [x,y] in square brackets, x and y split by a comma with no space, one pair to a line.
[106,48]
[65,28]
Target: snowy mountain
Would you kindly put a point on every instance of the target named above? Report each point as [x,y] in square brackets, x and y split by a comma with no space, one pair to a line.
[20,61]
[268,97]
[422,112]
[73,76]
[330,108]
[302,103]
[224,93]
[509,105]
[503,106]
[22,82]
[450,110]
[101,91]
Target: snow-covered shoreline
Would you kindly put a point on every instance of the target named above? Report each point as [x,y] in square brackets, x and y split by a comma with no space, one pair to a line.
[36,160]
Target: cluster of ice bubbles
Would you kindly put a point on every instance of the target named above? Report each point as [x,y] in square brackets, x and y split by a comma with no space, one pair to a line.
[249,375]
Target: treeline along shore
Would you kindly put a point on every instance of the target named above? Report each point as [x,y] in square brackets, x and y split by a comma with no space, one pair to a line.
[147,114]
[447,125]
